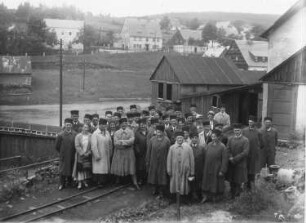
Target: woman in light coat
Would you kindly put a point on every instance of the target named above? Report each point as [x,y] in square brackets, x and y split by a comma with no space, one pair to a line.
[82,167]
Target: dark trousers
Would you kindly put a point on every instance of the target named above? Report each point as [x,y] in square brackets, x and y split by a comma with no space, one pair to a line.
[195,189]
[267,157]
[65,180]
[235,189]
[251,180]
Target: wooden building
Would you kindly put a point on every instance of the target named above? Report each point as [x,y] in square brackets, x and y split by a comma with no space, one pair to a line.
[192,79]
[15,74]
[284,87]
[249,55]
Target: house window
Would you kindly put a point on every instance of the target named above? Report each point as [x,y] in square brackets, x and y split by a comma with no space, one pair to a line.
[160,90]
[70,33]
[169,92]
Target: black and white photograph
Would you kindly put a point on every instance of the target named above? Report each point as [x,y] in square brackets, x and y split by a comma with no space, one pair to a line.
[152,111]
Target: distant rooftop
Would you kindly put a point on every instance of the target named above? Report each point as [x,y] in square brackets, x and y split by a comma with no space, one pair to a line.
[143,28]
[65,24]
[189,33]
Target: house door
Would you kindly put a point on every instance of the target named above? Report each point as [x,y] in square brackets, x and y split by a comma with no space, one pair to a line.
[147,47]
[248,104]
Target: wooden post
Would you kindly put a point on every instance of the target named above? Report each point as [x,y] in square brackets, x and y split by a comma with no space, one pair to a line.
[61,82]
[178,205]
[84,63]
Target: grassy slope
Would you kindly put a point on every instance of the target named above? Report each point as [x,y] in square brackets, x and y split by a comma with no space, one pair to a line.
[128,77]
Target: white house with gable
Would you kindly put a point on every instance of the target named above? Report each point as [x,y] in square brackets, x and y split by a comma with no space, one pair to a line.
[68,31]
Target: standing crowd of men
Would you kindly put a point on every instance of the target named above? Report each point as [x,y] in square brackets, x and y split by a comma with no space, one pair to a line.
[189,154]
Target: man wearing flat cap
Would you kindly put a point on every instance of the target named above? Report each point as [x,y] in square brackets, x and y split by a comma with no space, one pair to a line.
[64,144]
[120,110]
[238,150]
[140,148]
[101,146]
[180,165]
[108,116]
[156,160]
[255,143]
[76,124]
[133,108]
[269,139]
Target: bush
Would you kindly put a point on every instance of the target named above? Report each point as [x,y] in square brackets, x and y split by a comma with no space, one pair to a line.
[263,197]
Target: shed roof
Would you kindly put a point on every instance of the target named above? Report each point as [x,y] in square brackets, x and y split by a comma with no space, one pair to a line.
[15,65]
[257,48]
[286,16]
[291,70]
[205,70]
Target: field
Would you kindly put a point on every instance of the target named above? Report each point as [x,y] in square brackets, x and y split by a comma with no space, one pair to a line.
[106,76]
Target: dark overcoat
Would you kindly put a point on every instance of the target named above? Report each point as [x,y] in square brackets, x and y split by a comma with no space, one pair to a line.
[255,142]
[65,145]
[156,160]
[140,147]
[216,160]
[199,156]
[238,148]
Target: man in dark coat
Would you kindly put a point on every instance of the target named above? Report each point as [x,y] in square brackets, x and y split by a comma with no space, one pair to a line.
[76,124]
[95,123]
[173,128]
[223,137]
[255,142]
[199,156]
[269,137]
[65,145]
[140,147]
[238,150]
[156,160]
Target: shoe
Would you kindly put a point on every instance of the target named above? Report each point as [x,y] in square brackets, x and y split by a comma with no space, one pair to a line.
[79,186]
[204,199]
[61,187]
[86,185]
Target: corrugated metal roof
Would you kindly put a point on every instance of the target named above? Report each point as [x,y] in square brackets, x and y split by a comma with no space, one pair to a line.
[15,64]
[257,48]
[205,70]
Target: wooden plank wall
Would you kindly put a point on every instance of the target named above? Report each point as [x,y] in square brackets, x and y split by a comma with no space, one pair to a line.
[234,52]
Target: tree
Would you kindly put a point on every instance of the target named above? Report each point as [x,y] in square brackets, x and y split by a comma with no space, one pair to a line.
[194,23]
[165,23]
[6,18]
[209,32]
[89,38]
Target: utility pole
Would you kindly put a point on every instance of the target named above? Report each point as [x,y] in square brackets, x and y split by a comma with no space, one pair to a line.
[61,82]
[84,68]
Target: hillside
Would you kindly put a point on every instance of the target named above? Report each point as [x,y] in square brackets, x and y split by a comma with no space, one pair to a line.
[106,76]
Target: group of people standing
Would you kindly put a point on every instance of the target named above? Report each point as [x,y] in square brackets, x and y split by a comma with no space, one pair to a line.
[187,154]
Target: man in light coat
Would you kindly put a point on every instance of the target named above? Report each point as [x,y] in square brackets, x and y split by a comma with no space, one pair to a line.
[101,146]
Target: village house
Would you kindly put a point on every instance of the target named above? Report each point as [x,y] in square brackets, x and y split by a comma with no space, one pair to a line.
[248,54]
[141,35]
[196,80]
[284,86]
[68,31]
[15,74]
[187,41]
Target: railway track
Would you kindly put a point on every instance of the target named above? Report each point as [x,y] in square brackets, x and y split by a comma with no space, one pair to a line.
[53,208]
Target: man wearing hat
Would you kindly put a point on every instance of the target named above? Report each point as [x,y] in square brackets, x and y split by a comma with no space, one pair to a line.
[238,150]
[145,114]
[101,146]
[64,144]
[133,108]
[269,137]
[180,165]
[120,110]
[76,124]
[166,119]
[189,122]
[199,155]
[222,117]
[186,131]
[108,115]
[169,110]
[223,136]
[117,117]
[135,123]
[87,119]
[212,122]
[193,111]
[156,160]
[255,142]
[95,123]
[123,163]
[140,148]
[174,127]
[151,109]
[152,128]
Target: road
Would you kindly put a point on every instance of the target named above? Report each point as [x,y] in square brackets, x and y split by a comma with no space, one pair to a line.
[49,114]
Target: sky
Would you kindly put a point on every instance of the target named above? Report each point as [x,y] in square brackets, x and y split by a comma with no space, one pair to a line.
[121,8]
